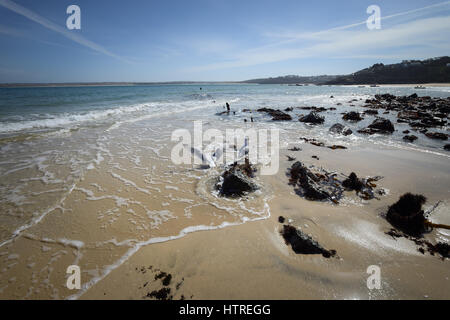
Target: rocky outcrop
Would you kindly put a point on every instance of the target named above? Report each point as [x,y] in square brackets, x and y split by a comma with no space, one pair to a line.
[352,116]
[379,125]
[312,118]
[302,243]
[236,181]
[340,129]
[277,115]
[407,214]
[437,135]
[410,138]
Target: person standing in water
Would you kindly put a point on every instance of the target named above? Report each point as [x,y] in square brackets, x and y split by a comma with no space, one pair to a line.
[228,107]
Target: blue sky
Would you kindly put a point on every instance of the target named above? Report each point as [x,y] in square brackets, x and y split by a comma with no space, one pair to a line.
[212,40]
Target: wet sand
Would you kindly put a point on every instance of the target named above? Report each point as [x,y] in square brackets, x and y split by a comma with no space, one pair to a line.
[251,261]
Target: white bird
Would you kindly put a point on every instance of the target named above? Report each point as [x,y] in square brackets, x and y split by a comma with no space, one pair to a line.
[243,151]
[208,159]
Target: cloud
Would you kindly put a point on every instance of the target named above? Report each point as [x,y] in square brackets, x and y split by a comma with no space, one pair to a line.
[54,27]
[417,38]
[303,35]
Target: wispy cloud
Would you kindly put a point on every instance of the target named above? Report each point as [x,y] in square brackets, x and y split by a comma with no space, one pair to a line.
[54,27]
[420,11]
[412,39]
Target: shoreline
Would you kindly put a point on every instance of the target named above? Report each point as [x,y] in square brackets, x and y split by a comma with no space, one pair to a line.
[132,215]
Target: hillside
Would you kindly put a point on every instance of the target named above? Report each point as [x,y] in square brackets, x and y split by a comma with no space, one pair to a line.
[435,70]
[292,79]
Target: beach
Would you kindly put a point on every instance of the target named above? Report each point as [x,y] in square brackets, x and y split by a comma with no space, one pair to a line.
[93,184]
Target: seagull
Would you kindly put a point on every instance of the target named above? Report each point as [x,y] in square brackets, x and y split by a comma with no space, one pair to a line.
[243,151]
[208,159]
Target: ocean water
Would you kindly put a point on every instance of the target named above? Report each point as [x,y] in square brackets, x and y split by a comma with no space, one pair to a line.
[90,167]
[50,137]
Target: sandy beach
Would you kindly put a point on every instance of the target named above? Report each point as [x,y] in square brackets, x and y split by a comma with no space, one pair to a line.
[109,199]
[251,261]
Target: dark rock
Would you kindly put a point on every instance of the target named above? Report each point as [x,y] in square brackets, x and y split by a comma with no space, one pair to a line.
[313,108]
[379,125]
[281,117]
[312,118]
[443,249]
[437,135]
[307,181]
[335,147]
[353,183]
[407,214]
[237,181]
[295,149]
[410,138]
[371,111]
[406,131]
[277,115]
[302,243]
[383,125]
[340,129]
[447,147]
[352,116]
[281,219]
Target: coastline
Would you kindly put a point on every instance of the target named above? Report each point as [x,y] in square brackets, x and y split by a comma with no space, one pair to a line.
[126,214]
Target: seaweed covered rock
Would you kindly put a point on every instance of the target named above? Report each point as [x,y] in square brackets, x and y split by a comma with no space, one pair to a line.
[302,243]
[365,188]
[236,181]
[318,184]
[312,118]
[308,183]
[407,214]
[340,129]
[353,183]
[352,116]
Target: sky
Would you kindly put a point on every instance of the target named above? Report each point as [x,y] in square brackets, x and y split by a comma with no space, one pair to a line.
[212,40]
